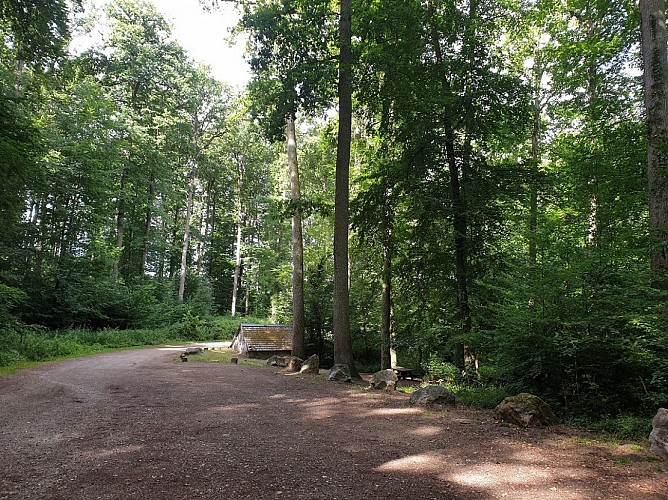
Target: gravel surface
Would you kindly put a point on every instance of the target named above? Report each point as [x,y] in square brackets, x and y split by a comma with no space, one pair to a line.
[138,424]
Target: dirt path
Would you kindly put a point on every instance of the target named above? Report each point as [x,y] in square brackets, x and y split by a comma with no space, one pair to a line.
[136,424]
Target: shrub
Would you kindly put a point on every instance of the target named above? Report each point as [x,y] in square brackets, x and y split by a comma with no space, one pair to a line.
[479,396]
[624,427]
[440,370]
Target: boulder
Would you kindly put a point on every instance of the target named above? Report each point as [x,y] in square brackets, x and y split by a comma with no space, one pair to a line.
[525,410]
[193,350]
[658,438]
[339,373]
[293,363]
[276,361]
[311,365]
[384,379]
[433,395]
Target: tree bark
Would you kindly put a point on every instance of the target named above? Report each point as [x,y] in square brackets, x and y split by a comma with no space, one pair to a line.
[460,222]
[655,65]
[535,134]
[147,226]
[237,270]
[298,348]
[386,290]
[240,218]
[343,353]
[120,221]
[186,238]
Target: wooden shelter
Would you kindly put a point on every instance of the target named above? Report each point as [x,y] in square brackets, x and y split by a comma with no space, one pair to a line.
[263,341]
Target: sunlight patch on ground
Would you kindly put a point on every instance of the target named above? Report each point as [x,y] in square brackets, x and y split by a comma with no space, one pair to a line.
[120,450]
[523,481]
[426,462]
[233,408]
[426,431]
[382,412]
[489,474]
[319,409]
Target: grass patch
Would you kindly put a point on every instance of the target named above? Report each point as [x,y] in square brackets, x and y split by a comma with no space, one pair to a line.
[408,389]
[623,427]
[479,396]
[623,461]
[30,345]
[224,356]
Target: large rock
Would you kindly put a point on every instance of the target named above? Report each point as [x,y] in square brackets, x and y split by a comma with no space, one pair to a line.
[339,373]
[277,361]
[433,395]
[384,379]
[525,410]
[293,363]
[658,438]
[311,365]
[191,351]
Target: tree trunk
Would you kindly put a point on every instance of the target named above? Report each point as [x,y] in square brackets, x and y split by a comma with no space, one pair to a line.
[120,221]
[172,250]
[458,205]
[147,226]
[237,270]
[240,218]
[386,290]
[343,352]
[535,134]
[186,238]
[592,237]
[298,348]
[655,65]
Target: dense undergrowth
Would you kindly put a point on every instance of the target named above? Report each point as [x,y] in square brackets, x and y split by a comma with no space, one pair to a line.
[21,344]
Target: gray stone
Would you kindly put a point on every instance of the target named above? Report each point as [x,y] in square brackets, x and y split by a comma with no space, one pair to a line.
[277,361]
[293,363]
[193,350]
[339,373]
[658,438]
[311,365]
[433,395]
[384,379]
[525,410]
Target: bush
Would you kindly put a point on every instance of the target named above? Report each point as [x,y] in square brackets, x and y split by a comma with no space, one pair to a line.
[624,427]
[11,357]
[440,370]
[480,396]
[367,366]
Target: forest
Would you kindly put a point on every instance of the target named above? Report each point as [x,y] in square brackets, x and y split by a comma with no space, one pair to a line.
[480,185]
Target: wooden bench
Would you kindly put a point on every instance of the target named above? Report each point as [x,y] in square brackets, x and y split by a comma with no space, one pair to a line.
[403,373]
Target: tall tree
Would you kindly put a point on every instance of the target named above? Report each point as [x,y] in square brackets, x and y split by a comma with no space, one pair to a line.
[298,347]
[289,51]
[343,353]
[655,64]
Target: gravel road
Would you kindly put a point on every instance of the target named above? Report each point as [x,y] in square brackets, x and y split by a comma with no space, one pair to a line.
[138,425]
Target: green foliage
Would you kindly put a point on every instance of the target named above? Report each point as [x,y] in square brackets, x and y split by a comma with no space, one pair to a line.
[367,366]
[622,427]
[479,396]
[440,370]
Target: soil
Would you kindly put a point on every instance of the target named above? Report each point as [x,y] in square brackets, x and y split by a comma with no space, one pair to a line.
[139,424]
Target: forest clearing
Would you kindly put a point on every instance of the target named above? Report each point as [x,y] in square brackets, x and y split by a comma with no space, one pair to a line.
[142,424]
[479,187]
